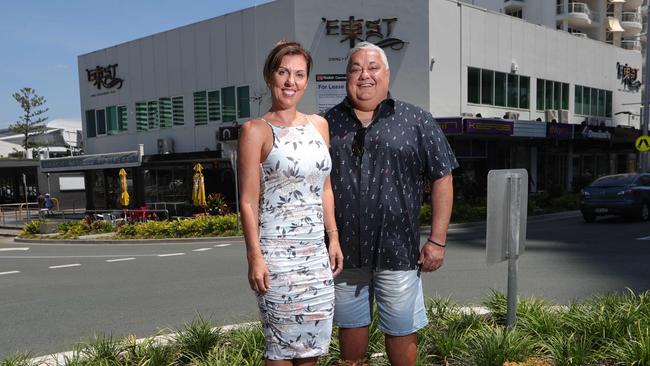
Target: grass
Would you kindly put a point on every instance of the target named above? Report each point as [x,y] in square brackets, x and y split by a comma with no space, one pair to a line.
[607,330]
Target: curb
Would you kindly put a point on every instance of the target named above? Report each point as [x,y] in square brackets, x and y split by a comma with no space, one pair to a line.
[130,241]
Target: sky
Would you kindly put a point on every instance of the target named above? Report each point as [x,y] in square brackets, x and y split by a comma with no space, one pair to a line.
[40,41]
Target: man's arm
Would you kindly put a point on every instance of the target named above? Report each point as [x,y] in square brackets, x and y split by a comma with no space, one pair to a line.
[442,200]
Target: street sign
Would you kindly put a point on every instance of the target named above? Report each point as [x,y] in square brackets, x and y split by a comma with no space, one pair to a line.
[643,143]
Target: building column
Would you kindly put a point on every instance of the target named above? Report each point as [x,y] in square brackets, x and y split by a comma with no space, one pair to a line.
[533,169]
[569,168]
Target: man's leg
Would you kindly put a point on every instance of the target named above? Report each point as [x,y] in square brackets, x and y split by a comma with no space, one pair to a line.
[353,311]
[354,343]
[400,305]
[402,350]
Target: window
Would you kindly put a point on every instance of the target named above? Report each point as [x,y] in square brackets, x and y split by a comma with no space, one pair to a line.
[487,86]
[152,114]
[500,89]
[593,101]
[214,106]
[552,95]
[178,115]
[165,105]
[91,129]
[513,86]
[200,108]
[540,94]
[243,102]
[515,13]
[111,118]
[548,92]
[524,92]
[578,100]
[141,116]
[557,95]
[122,119]
[473,82]
[228,104]
[565,96]
[101,121]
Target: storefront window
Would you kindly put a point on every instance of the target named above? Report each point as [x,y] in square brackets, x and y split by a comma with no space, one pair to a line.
[167,184]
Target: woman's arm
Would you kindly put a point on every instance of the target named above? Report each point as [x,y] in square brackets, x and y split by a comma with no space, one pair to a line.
[334,247]
[250,152]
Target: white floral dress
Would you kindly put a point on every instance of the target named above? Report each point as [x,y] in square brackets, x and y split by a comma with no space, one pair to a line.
[297,311]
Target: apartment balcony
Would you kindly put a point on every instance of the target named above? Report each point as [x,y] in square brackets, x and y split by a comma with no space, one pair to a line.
[631,23]
[580,34]
[577,15]
[513,4]
[632,5]
[631,44]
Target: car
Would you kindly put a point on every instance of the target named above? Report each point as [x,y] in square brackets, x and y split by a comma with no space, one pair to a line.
[626,195]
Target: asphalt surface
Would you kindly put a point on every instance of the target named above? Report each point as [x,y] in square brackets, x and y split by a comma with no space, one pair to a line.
[53,295]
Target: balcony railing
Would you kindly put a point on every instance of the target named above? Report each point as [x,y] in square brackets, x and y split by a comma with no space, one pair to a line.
[580,34]
[575,8]
[631,44]
[631,17]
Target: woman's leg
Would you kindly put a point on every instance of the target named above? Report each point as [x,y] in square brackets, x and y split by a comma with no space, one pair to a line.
[278,363]
[311,361]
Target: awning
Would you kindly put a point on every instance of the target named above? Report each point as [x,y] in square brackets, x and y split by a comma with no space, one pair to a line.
[613,25]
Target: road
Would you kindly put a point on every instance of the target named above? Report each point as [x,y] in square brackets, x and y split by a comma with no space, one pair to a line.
[53,295]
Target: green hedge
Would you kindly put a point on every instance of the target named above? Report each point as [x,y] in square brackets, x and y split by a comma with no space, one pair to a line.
[201,226]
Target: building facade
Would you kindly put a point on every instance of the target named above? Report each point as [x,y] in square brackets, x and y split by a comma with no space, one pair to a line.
[617,22]
[508,93]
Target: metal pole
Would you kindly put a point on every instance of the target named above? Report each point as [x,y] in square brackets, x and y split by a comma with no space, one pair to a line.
[234,167]
[643,157]
[26,196]
[513,247]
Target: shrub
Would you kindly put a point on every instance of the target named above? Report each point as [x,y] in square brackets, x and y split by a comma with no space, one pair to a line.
[425,214]
[200,226]
[216,204]
[32,228]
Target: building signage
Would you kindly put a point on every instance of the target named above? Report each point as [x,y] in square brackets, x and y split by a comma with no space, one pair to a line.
[628,77]
[488,127]
[451,125]
[104,77]
[559,131]
[588,133]
[94,161]
[330,90]
[378,31]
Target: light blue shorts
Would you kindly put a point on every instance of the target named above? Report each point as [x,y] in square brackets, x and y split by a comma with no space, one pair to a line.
[400,302]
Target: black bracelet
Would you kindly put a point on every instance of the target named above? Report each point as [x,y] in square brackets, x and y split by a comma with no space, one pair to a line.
[436,244]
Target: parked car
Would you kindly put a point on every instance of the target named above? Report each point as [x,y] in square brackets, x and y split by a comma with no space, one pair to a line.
[627,195]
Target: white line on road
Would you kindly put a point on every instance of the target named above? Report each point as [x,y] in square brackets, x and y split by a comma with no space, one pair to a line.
[12,249]
[644,238]
[120,259]
[65,266]
[10,272]
[201,249]
[170,254]
[221,245]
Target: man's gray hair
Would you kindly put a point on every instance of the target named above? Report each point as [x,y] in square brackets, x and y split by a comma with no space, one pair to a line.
[368,46]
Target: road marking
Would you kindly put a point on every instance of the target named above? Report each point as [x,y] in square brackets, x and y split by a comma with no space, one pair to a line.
[644,238]
[120,259]
[65,266]
[201,249]
[170,254]
[10,272]
[12,249]
[221,245]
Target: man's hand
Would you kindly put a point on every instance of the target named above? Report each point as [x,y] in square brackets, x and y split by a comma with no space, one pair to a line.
[431,257]
[336,257]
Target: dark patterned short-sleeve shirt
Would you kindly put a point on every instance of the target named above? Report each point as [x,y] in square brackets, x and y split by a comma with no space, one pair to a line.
[378,195]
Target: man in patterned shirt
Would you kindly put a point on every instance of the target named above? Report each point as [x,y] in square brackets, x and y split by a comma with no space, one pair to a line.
[383,151]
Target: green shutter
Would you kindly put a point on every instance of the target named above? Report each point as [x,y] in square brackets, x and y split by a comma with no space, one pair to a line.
[214,106]
[111,119]
[177,111]
[122,119]
[243,102]
[101,121]
[200,108]
[141,116]
[152,114]
[228,104]
[165,106]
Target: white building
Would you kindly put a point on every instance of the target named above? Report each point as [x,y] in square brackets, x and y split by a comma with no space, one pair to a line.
[617,22]
[175,91]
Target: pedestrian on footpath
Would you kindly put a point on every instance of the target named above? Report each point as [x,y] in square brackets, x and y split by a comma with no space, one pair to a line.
[383,151]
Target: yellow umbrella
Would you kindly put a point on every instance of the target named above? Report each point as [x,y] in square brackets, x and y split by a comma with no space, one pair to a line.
[198,188]
[124,197]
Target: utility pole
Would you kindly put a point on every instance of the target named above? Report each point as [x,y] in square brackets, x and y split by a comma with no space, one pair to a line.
[643,157]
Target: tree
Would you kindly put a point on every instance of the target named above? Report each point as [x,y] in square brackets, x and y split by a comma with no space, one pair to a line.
[32,122]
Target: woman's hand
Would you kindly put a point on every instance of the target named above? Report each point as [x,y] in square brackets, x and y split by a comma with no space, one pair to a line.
[258,275]
[336,257]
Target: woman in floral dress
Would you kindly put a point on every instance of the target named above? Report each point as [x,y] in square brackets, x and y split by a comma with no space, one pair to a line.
[287,206]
